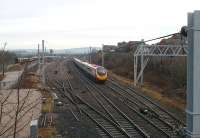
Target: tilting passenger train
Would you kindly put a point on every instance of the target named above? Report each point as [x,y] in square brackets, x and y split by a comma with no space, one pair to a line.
[98,73]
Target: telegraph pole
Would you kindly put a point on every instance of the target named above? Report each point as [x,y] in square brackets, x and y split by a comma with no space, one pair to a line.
[102,56]
[2,56]
[38,54]
[39,66]
[193,76]
[43,52]
[90,60]
[43,79]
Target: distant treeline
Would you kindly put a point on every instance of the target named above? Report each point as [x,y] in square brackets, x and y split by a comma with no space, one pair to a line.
[7,58]
[172,69]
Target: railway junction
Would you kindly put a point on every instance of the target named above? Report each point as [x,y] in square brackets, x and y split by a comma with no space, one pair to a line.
[105,110]
[83,100]
[113,109]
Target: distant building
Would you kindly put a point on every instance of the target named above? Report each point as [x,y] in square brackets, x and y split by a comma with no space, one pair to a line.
[174,40]
[122,47]
[109,48]
[127,46]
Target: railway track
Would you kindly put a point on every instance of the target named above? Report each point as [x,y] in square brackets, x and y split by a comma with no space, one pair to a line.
[143,101]
[104,125]
[117,126]
[150,114]
[140,119]
[126,125]
[152,117]
[46,121]
[146,113]
[114,110]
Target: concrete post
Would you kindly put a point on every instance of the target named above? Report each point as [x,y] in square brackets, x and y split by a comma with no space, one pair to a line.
[193,74]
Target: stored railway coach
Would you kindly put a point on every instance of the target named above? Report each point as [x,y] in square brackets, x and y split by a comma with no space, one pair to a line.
[96,72]
[25,60]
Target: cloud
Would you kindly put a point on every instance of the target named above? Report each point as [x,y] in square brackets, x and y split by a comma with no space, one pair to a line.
[76,23]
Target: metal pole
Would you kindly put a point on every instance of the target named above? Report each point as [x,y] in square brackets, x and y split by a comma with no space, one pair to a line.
[39,58]
[142,63]
[90,55]
[193,77]
[102,57]
[135,70]
[3,68]
[38,53]
[43,79]
[43,52]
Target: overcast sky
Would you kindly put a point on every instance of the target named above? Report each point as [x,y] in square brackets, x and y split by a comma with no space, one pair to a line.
[81,23]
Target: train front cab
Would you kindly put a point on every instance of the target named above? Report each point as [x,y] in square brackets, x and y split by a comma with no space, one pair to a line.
[101,74]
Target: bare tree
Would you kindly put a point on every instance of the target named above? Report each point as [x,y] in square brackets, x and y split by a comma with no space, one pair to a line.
[13,110]
[2,53]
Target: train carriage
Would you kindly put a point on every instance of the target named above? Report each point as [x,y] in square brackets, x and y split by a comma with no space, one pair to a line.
[96,72]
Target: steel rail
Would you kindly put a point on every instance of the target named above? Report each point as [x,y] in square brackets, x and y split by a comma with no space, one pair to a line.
[82,110]
[143,116]
[115,107]
[69,99]
[157,118]
[106,110]
[103,116]
[149,100]
[98,124]
[63,93]
[110,115]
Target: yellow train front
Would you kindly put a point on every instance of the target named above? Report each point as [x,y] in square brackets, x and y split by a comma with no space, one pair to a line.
[98,73]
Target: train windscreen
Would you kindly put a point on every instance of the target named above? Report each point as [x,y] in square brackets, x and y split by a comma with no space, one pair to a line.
[101,71]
